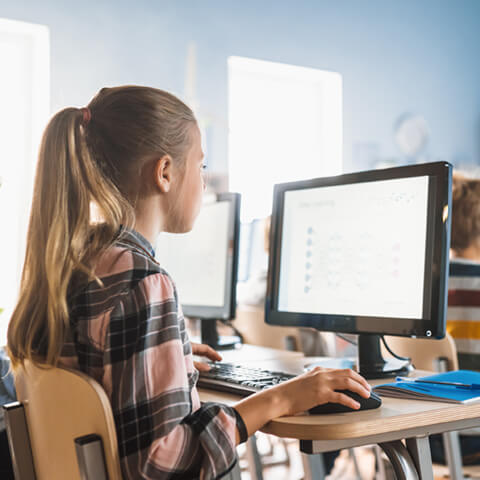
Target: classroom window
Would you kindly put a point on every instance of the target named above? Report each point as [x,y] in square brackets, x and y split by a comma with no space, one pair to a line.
[285,124]
[24,100]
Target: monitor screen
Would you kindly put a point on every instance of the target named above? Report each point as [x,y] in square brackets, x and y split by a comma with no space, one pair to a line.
[362,253]
[203,262]
[345,249]
[244,253]
[253,256]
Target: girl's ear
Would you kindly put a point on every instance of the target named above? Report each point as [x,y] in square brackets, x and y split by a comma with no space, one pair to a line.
[163,173]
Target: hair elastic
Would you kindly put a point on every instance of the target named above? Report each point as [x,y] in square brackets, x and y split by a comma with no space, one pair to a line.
[87,115]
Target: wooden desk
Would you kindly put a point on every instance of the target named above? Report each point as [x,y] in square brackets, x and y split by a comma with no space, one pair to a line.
[396,420]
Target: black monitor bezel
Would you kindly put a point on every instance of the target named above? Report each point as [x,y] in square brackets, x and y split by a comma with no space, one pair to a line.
[227,310]
[438,227]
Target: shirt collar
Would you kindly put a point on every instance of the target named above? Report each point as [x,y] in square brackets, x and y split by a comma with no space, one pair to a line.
[131,235]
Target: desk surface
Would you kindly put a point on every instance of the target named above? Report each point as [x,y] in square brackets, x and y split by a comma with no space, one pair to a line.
[395,416]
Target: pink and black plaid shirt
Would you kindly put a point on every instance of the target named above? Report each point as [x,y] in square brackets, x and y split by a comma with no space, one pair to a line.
[130,336]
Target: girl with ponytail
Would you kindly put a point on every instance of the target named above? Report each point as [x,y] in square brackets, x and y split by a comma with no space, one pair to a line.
[110,177]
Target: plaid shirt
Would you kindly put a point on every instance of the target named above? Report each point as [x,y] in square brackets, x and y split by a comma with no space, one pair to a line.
[130,336]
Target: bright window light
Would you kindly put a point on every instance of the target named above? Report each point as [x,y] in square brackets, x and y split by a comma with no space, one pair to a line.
[285,124]
[24,100]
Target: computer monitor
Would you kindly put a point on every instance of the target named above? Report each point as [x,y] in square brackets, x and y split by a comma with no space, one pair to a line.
[244,252]
[253,257]
[363,253]
[204,263]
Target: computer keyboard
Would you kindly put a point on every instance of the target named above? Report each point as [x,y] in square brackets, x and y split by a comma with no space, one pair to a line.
[240,379]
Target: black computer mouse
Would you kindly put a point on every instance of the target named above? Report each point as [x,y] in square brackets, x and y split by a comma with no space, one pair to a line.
[374,401]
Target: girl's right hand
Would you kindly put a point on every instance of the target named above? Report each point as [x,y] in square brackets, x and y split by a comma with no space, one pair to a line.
[319,386]
[299,394]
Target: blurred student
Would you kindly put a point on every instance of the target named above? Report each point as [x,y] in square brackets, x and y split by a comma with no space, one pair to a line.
[463,313]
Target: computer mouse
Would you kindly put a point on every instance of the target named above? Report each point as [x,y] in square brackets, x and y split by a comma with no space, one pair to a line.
[374,401]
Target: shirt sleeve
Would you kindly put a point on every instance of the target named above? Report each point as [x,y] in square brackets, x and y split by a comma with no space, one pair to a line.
[163,431]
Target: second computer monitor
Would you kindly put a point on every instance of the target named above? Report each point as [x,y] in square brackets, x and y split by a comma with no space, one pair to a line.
[204,262]
[363,253]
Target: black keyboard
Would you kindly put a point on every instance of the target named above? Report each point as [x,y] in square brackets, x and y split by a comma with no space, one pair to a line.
[240,379]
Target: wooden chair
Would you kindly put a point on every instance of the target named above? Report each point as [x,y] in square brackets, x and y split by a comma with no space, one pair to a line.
[425,353]
[249,321]
[65,414]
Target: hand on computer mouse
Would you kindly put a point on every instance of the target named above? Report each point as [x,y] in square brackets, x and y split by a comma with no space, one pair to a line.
[374,401]
[301,393]
[321,385]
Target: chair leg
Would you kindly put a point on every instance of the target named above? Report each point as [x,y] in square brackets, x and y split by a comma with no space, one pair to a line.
[313,466]
[451,444]
[351,453]
[19,441]
[287,453]
[382,472]
[254,460]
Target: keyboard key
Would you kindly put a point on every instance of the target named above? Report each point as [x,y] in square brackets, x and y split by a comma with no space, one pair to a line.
[240,379]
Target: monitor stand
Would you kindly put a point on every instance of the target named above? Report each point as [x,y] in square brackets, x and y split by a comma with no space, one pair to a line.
[209,336]
[371,363]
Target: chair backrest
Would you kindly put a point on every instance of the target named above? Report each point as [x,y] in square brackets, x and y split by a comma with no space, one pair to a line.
[424,352]
[60,406]
[250,322]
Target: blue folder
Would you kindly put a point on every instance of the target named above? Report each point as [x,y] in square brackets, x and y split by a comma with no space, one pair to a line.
[432,392]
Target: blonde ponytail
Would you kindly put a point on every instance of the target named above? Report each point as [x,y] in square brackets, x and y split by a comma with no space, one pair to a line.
[61,240]
[87,160]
